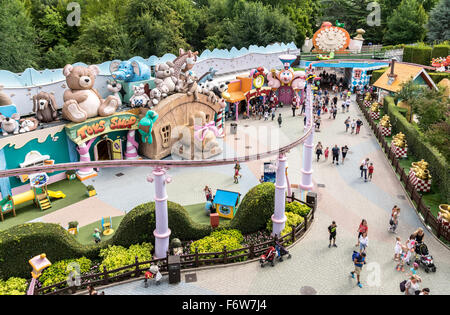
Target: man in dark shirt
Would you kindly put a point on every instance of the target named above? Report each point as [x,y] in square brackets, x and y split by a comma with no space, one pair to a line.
[359,123]
[332,231]
[336,152]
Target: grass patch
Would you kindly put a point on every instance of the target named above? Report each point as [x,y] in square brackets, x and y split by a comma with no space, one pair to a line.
[198,214]
[85,233]
[74,190]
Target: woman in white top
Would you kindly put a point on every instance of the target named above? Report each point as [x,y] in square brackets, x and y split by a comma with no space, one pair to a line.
[364,166]
[412,285]
[363,242]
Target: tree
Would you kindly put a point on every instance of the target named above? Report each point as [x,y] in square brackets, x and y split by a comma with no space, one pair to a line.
[407,23]
[154,28]
[101,40]
[431,107]
[256,24]
[439,23]
[17,44]
[354,14]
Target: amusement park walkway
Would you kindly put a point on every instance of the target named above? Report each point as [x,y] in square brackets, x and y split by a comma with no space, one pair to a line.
[346,199]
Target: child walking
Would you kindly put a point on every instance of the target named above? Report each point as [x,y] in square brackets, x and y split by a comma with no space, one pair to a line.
[332,231]
[371,168]
[327,152]
[398,249]
[280,120]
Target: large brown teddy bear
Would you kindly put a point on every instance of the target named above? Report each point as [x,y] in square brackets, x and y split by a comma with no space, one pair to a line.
[81,100]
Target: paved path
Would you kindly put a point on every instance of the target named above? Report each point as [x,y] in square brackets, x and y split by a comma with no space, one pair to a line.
[346,199]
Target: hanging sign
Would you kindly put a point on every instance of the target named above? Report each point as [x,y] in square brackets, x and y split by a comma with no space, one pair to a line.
[92,128]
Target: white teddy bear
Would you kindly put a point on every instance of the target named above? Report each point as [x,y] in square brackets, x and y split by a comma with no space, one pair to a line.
[155,96]
[139,97]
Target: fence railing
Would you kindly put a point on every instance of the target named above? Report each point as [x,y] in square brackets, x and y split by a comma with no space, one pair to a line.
[188,261]
[414,195]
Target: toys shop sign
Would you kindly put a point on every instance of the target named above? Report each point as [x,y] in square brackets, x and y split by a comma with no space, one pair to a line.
[82,132]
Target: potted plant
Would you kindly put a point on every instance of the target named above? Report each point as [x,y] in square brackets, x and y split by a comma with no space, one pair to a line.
[91,191]
[73,227]
[71,174]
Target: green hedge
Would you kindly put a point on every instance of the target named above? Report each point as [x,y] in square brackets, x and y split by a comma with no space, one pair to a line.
[438,76]
[440,51]
[255,209]
[20,243]
[417,54]
[376,74]
[420,148]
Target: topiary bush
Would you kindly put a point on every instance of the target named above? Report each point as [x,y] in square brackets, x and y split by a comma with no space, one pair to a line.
[298,208]
[115,257]
[255,209]
[293,220]
[59,271]
[22,242]
[13,286]
[215,242]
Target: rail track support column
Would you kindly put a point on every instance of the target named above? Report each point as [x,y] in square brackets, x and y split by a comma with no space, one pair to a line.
[162,231]
[308,148]
[279,217]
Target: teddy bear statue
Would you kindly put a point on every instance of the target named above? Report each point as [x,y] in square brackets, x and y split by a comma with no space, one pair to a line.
[165,79]
[81,100]
[10,124]
[139,98]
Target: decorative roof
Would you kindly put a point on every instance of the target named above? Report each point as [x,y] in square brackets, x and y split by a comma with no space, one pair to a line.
[403,73]
[226,198]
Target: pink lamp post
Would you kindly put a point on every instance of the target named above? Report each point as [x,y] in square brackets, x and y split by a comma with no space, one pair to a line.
[132,146]
[279,217]
[308,146]
[162,231]
[83,150]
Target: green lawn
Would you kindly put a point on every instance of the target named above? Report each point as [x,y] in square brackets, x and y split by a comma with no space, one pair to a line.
[198,214]
[85,233]
[74,190]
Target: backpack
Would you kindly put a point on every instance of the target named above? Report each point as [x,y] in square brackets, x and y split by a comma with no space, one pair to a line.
[403,286]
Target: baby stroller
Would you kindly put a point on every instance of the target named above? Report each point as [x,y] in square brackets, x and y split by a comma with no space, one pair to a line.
[268,257]
[281,251]
[424,258]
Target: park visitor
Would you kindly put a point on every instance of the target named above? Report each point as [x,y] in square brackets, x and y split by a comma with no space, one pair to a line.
[332,231]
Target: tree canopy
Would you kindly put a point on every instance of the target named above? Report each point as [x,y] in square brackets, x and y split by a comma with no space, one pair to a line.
[36,33]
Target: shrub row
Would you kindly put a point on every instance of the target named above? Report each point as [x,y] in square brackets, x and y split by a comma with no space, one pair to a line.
[20,243]
[438,76]
[420,148]
[422,54]
[441,50]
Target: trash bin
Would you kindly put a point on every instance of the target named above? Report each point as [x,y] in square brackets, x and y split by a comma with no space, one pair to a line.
[311,199]
[233,128]
[174,266]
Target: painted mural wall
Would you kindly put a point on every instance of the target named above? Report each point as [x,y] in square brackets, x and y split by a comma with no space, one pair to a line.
[22,87]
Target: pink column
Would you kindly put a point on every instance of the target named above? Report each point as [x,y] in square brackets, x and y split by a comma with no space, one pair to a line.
[308,145]
[237,110]
[279,217]
[162,231]
[248,107]
[83,150]
[132,146]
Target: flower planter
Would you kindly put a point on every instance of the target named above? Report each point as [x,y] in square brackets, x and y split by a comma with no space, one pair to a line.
[375,115]
[91,193]
[420,184]
[399,152]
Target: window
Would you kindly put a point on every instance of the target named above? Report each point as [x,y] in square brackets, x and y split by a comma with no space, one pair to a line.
[166,135]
